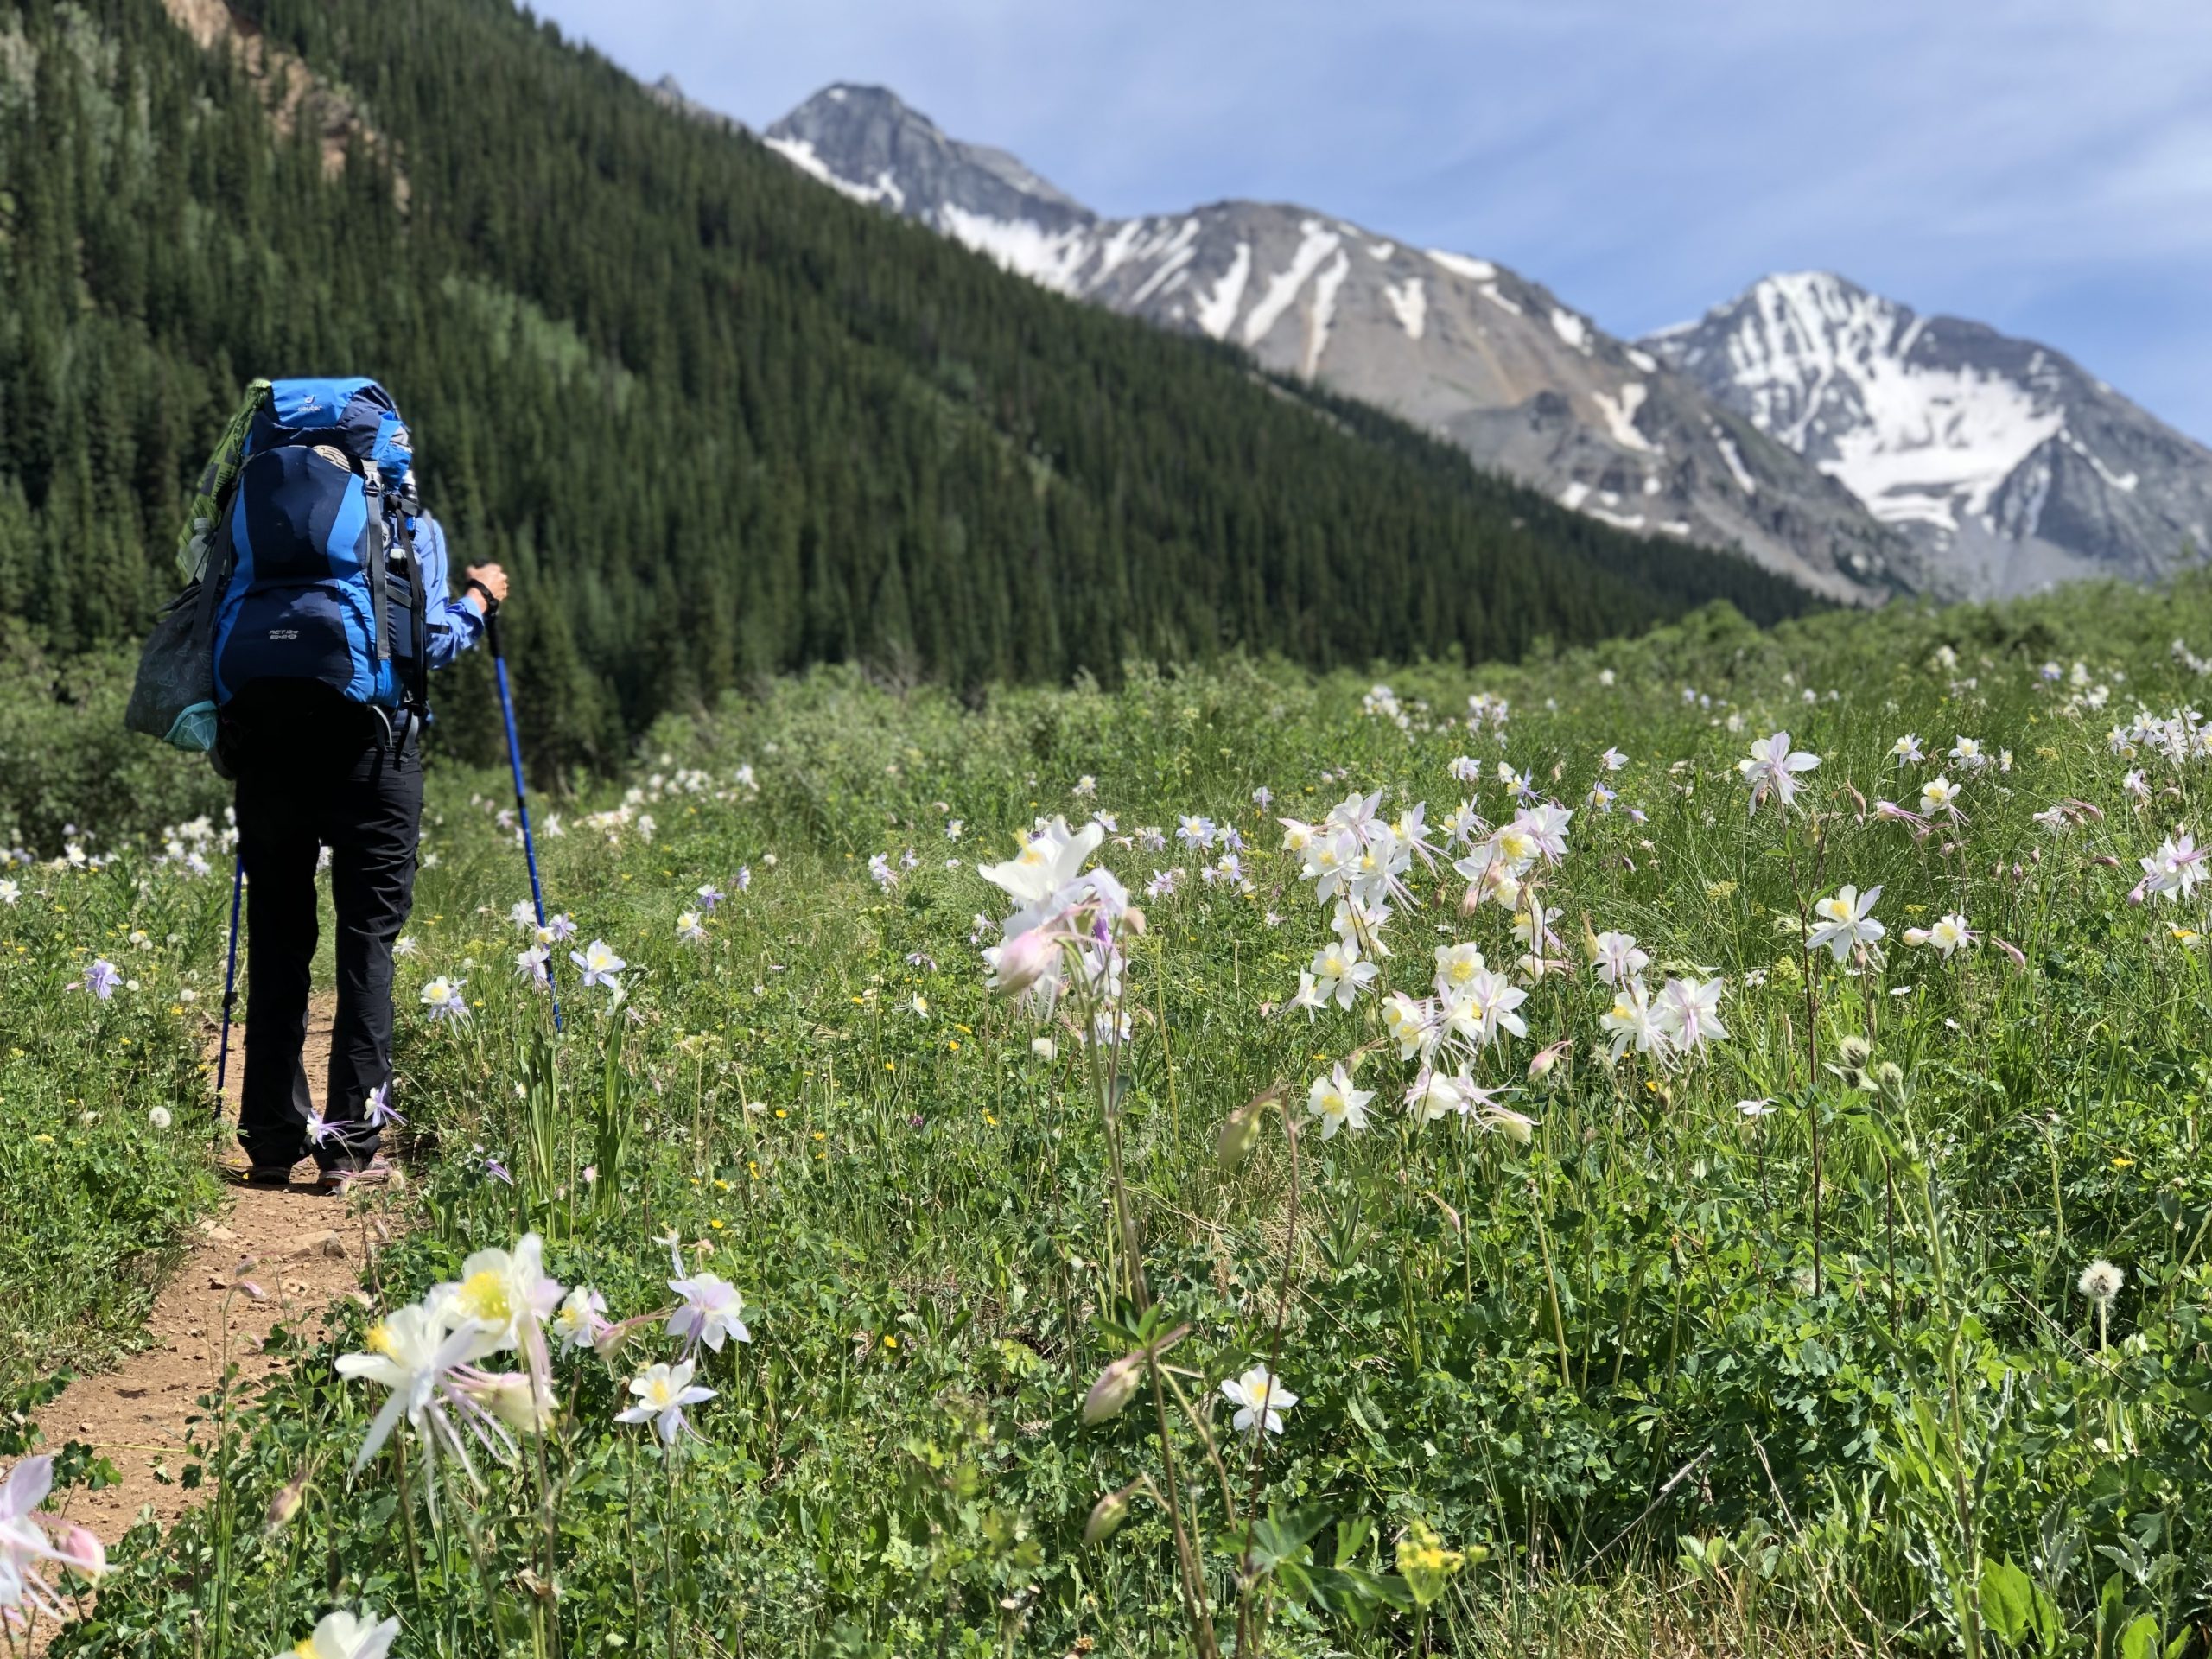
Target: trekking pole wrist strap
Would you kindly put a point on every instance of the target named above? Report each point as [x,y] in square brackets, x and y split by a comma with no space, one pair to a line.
[491,600]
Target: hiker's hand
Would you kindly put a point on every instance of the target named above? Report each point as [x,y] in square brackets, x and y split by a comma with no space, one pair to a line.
[494,579]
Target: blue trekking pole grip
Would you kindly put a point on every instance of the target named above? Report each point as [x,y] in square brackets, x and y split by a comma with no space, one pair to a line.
[229,979]
[522,797]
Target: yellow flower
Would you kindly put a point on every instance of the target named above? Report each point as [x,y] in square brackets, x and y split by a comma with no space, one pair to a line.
[715,1223]
[890,1341]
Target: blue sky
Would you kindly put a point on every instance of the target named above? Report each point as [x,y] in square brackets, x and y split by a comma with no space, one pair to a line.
[2045,167]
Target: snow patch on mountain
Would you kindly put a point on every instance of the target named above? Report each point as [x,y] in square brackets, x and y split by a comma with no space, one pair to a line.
[1408,302]
[1475,271]
[2004,464]
[1021,245]
[1218,311]
[1734,458]
[1619,415]
[1318,244]
[1326,288]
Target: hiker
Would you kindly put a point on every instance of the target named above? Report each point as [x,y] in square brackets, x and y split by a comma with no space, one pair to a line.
[332,608]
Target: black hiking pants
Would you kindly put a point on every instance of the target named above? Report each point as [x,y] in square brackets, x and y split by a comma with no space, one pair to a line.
[313,775]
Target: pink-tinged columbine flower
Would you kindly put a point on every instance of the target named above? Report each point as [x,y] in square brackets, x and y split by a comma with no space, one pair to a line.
[1612,760]
[712,1312]
[1025,960]
[101,978]
[531,965]
[1845,922]
[25,1544]
[559,927]
[1689,1012]
[1616,957]
[662,1392]
[601,965]
[1772,769]
[376,1110]
[1896,814]
[318,1128]
[2174,870]
[1259,1399]
[1540,1066]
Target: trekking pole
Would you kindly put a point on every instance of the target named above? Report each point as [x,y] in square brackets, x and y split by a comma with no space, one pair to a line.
[522,799]
[229,979]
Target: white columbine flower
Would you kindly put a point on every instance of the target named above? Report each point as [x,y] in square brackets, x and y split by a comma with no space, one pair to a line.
[343,1635]
[1259,1399]
[1434,1094]
[1939,794]
[599,963]
[662,1393]
[1338,1103]
[443,997]
[712,1312]
[1772,769]
[1946,934]
[582,1318]
[410,1351]
[1339,972]
[1845,922]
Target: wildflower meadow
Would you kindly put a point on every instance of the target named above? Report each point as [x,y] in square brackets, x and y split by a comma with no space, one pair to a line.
[1692,1145]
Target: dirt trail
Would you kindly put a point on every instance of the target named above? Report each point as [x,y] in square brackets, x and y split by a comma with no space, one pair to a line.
[298,1251]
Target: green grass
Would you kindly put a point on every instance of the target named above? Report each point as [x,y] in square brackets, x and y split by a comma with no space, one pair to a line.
[1608,1362]
[95,1196]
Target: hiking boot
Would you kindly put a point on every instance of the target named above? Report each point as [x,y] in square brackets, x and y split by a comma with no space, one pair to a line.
[339,1179]
[268,1175]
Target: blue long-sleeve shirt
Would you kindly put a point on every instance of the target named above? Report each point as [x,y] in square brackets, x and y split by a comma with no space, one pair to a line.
[451,624]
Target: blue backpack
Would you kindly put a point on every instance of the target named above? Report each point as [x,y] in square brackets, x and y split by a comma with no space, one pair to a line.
[313,561]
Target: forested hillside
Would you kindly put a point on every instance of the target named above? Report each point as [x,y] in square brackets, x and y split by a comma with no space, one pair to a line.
[718,421]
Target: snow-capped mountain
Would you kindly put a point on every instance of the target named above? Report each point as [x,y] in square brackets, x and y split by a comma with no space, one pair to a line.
[1523,382]
[2007,466]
